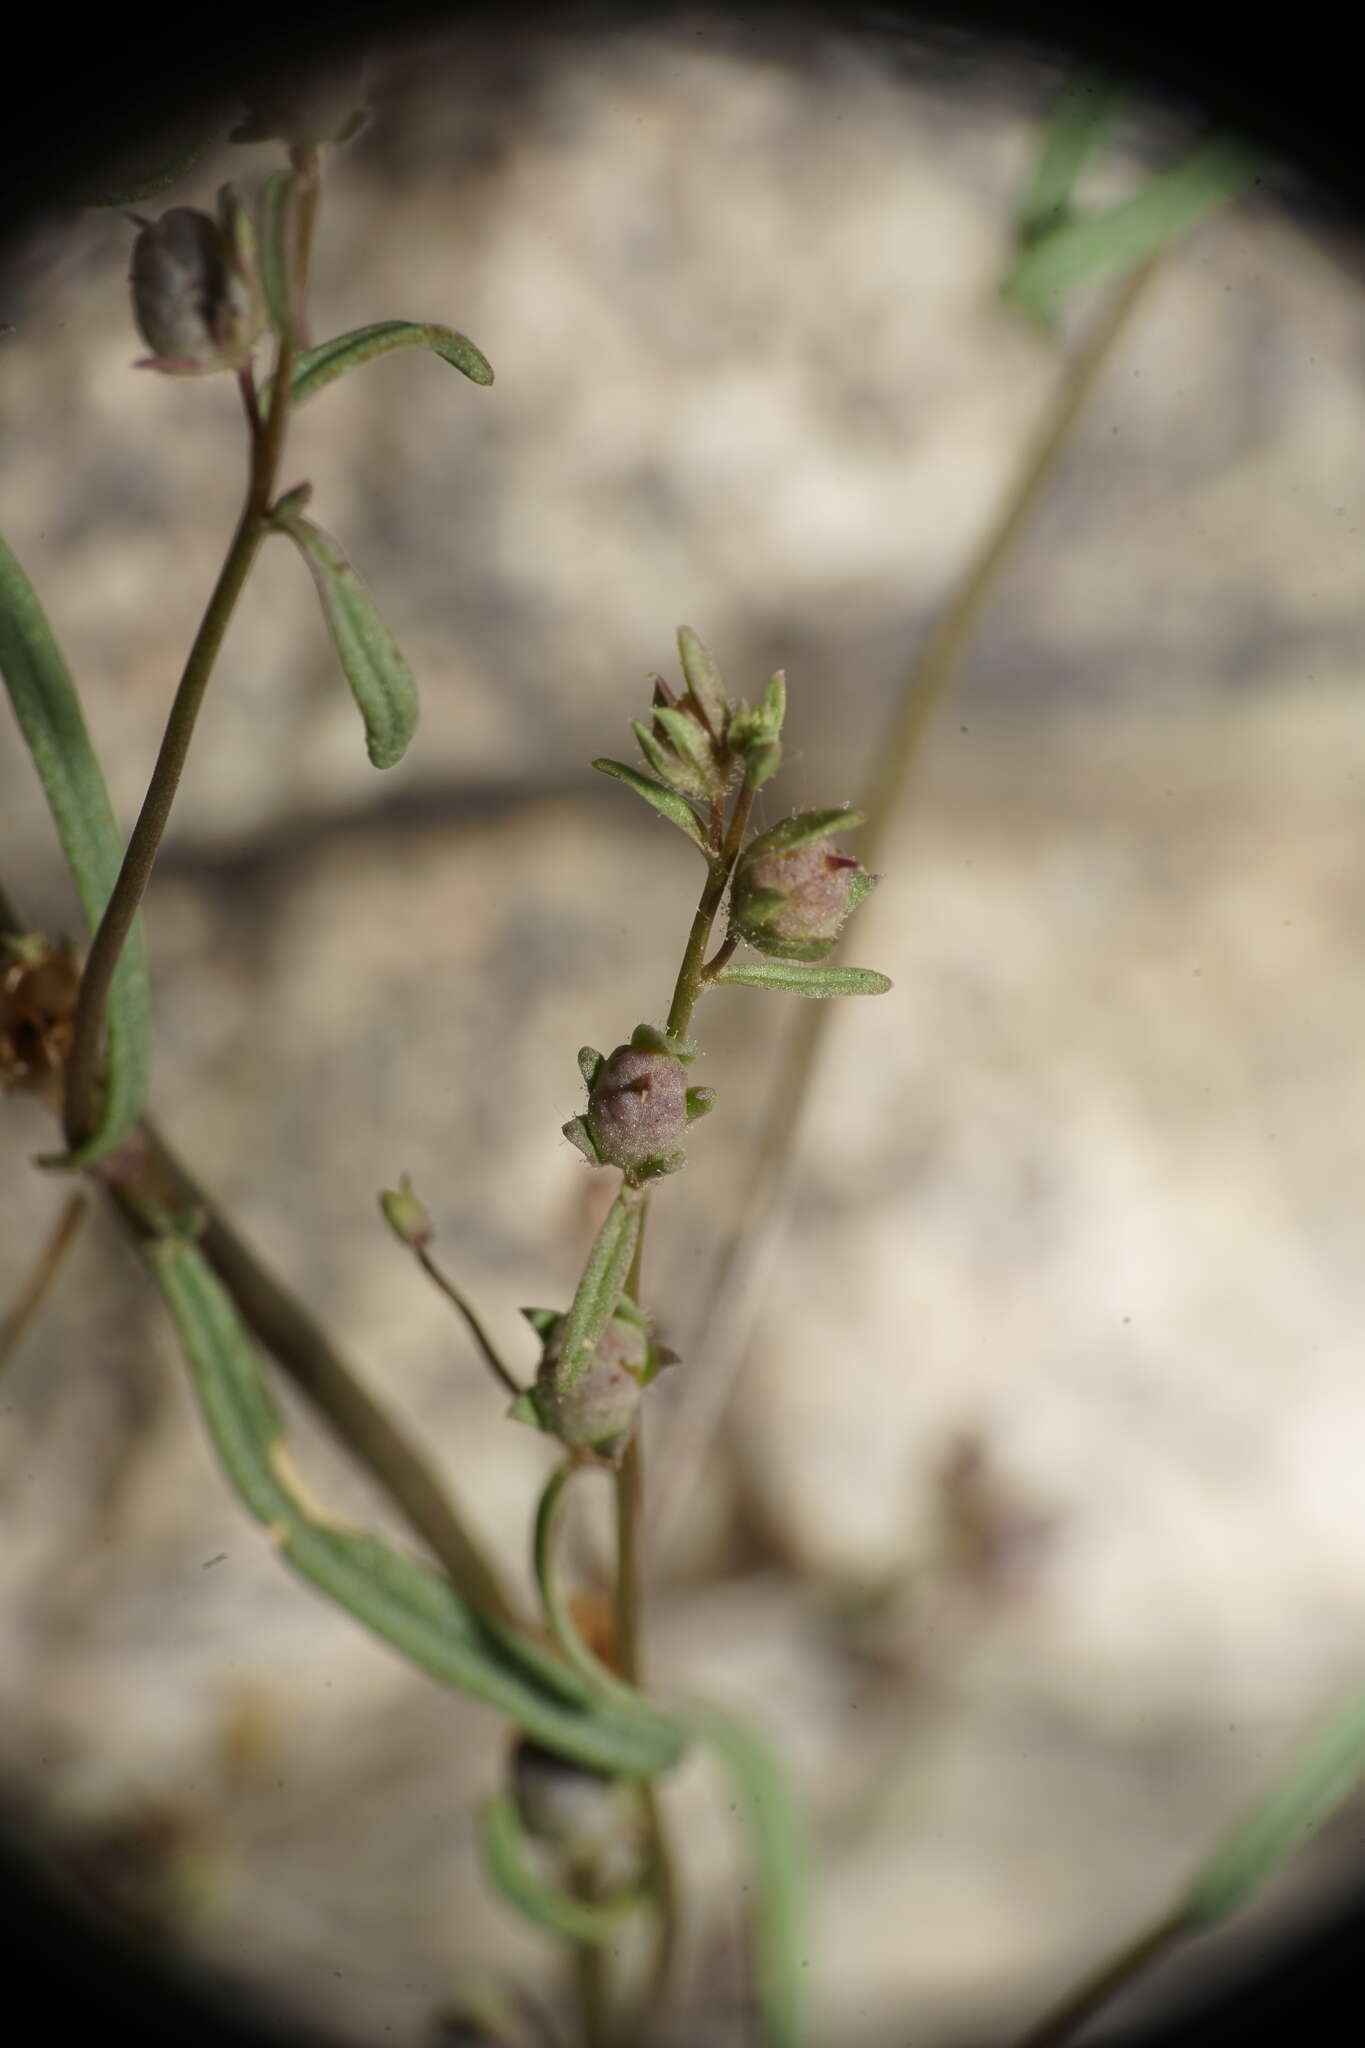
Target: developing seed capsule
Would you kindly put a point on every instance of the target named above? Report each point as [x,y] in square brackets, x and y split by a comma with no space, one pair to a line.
[598,1412]
[195,308]
[794,890]
[639,1106]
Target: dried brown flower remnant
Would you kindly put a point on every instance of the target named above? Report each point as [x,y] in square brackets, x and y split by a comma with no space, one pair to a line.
[39,982]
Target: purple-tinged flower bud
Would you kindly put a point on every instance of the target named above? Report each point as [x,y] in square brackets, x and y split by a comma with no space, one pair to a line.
[196,307]
[637,1107]
[598,1412]
[793,890]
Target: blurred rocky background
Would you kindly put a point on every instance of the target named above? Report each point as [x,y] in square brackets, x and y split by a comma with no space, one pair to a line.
[1035,1534]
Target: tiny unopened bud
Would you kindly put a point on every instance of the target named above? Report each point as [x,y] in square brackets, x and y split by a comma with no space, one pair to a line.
[196,306]
[637,1111]
[791,900]
[405,1215]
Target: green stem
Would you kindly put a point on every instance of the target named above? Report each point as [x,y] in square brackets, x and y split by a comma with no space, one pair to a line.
[925,686]
[1062,2021]
[691,975]
[266,450]
[472,1323]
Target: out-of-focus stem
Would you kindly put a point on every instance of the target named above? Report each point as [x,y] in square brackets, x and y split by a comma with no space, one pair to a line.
[1061,2022]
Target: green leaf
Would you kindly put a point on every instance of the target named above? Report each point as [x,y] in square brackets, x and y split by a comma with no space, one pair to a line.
[780,1862]
[381,681]
[1327,1774]
[772,705]
[1079,123]
[544,1903]
[800,980]
[318,367]
[599,1290]
[1170,205]
[703,679]
[49,715]
[416,1610]
[666,801]
[276,244]
[800,829]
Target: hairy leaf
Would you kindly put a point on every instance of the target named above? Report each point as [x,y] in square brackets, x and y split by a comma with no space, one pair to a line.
[667,802]
[381,681]
[318,367]
[798,979]
[50,718]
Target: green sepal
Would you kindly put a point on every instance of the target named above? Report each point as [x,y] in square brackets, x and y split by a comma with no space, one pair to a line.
[760,905]
[590,1063]
[800,829]
[772,705]
[318,367]
[665,764]
[524,1409]
[693,746]
[50,718]
[762,763]
[666,801]
[626,1311]
[653,1038]
[380,679]
[703,680]
[658,1168]
[860,887]
[503,1843]
[797,980]
[699,1102]
[578,1131]
[542,1320]
[278,267]
[789,949]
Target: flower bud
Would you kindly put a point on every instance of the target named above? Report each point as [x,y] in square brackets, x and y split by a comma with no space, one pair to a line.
[405,1215]
[194,302]
[637,1108]
[793,890]
[598,1412]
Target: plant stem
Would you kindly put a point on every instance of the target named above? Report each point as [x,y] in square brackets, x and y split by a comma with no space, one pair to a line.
[148,1187]
[475,1327]
[1062,2021]
[728,1328]
[46,1267]
[266,449]
[691,974]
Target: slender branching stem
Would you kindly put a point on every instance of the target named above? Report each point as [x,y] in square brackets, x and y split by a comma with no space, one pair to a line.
[266,445]
[733,1297]
[1061,2022]
[691,980]
[42,1275]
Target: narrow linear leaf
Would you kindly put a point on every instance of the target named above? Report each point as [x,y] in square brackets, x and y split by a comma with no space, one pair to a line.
[1078,124]
[801,828]
[381,681]
[275,242]
[50,718]
[1170,205]
[665,765]
[800,980]
[318,367]
[599,1290]
[667,802]
[503,1843]
[1327,1774]
[780,1862]
[416,1610]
